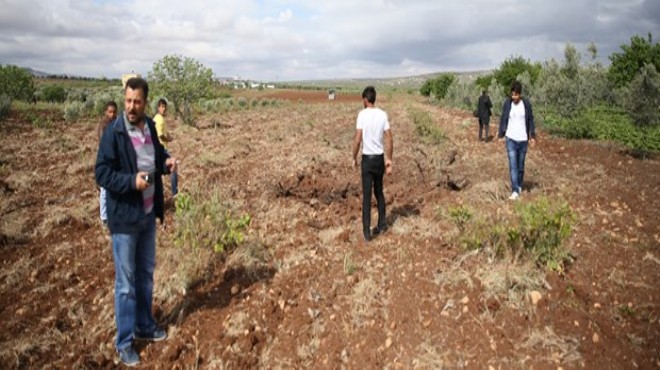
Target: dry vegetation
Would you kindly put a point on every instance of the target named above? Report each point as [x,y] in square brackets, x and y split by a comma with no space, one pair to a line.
[303,291]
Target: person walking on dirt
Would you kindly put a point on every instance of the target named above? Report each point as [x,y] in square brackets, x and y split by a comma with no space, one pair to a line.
[165,138]
[109,115]
[484,106]
[129,165]
[517,125]
[373,132]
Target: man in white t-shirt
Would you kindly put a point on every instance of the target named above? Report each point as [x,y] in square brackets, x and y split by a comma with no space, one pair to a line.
[517,124]
[373,132]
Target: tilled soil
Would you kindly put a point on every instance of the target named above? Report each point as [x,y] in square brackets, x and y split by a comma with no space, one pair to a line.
[305,291]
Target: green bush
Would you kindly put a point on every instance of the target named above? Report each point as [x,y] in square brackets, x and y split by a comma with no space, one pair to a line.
[536,232]
[54,93]
[513,67]
[605,123]
[5,106]
[632,58]
[437,87]
[203,221]
[242,102]
[644,108]
[16,82]
[73,111]
[425,128]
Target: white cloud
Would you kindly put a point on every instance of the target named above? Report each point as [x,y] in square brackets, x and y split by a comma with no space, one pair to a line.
[295,39]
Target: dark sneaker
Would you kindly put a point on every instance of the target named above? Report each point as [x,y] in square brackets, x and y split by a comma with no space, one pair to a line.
[156,336]
[129,357]
[378,230]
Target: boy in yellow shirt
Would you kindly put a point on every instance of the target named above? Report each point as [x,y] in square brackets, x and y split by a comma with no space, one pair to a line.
[165,138]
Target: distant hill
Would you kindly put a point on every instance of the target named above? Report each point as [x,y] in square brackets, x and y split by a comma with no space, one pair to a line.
[36,73]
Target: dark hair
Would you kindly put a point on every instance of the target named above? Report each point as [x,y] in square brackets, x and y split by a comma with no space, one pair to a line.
[138,83]
[110,104]
[484,92]
[516,87]
[162,102]
[369,93]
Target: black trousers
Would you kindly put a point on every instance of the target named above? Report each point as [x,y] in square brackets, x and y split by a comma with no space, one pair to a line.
[373,170]
[484,123]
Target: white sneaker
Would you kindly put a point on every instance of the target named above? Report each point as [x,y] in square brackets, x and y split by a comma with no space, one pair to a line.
[519,190]
[514,196]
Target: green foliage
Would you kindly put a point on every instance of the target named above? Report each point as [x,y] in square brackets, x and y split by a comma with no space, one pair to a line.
[16,82]
[203,221]
[483,82]
[54,93]
[461,215]
[627,64]
[5,106]
[644,102]
[73,111]
[425,128]
[437,87]
[512,67]
[183,81]
[536,232]
[462,94]
[605,123]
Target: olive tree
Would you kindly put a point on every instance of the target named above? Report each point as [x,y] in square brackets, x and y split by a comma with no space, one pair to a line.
[183,81]
[16,83]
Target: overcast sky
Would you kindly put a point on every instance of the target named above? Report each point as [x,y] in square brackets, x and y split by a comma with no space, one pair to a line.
[284,40]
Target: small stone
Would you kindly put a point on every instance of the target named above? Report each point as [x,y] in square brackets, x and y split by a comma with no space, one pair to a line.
[235,289]
[20,312]
[576,323]
[350,279]
[393,325]
[465,300]
[535,297]
[595,338]
[465,309]
[257,328]
[490,367]
[596,305]
[388,343]
[332,317]
[282,304]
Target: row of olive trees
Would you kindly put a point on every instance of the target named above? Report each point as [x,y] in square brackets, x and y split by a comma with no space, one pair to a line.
[570,87]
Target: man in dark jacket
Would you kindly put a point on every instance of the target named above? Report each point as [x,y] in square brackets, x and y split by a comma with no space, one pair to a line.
[129,165]
[484,112]
[517,124]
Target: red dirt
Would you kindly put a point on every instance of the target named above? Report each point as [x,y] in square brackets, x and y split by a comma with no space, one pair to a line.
[289,171]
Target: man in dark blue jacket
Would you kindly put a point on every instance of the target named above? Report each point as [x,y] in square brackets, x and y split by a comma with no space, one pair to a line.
[517,124]
[129,165]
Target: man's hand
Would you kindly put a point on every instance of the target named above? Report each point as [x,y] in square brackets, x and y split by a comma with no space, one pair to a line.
[355,163]
[140,183]
[388,166]
[171,164]
[532,142]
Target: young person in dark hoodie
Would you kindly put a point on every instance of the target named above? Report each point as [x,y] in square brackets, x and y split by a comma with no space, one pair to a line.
[517,126]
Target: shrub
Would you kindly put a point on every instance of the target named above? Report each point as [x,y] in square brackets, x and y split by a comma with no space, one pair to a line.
[73,111]
[5,106]
[425,128]
[536,232]
[632,58]
[242,102]
[204,222]
[16,82]
[437,87]
[53,93]
[513,67]
[644,108]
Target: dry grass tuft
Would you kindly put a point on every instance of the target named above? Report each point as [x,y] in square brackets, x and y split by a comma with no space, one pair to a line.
[557,349]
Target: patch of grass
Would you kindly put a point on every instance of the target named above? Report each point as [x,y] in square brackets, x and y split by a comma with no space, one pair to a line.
[349,264]
[559,349]
[536,232]
[425,128]
[366,302]
[204,221]
[460,215]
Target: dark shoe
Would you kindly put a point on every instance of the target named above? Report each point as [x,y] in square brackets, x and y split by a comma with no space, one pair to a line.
[129,357]
[378,230]
[156,336]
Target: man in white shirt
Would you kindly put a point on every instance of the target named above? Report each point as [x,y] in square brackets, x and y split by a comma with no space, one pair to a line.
[517,124]
[373,132]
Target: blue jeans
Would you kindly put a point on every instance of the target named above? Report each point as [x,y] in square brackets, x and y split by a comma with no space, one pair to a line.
[517,150]
[102,205]
[135,259]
